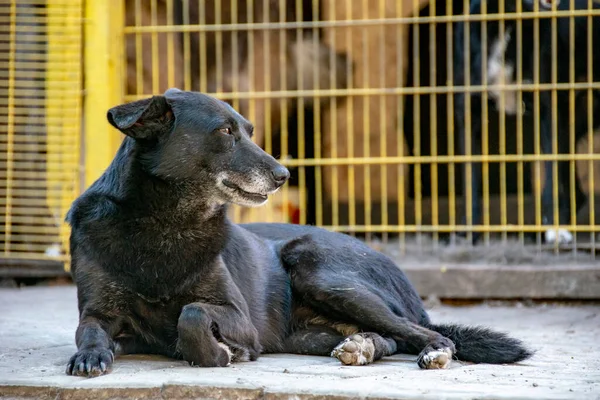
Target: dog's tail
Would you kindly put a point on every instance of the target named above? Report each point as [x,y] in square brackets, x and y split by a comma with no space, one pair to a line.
[482,345]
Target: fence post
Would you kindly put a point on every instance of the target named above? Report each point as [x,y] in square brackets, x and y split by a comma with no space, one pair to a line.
[104,66]
[63,111]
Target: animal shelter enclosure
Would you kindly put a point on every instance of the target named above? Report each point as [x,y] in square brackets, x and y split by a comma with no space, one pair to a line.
[364,101]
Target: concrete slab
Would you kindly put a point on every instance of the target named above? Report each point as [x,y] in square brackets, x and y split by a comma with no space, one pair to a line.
[37,327]
[471,281]
[498,270]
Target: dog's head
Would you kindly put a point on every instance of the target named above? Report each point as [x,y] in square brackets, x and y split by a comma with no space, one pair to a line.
[202,142]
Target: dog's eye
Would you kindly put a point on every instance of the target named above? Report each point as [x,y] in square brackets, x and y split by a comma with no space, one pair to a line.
[226,131]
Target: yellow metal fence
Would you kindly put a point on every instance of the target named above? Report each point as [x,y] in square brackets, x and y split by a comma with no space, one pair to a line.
[40,118]
[356,97]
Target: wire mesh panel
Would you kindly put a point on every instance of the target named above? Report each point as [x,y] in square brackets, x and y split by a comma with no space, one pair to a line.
[524,84]
[40,113]
[451,130]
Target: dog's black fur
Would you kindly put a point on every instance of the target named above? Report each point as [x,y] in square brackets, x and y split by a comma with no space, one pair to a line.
[160,269]
[528,51]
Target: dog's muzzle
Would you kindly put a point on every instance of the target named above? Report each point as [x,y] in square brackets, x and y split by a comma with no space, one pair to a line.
[255,197]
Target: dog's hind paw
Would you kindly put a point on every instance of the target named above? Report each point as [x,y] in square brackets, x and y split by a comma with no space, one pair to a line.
[435,358]
[90,363]
[355,350]
[560,236]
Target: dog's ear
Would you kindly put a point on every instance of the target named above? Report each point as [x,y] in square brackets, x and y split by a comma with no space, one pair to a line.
[143,119]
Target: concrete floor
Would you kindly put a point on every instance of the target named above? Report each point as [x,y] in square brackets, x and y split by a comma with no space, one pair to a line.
[37,328]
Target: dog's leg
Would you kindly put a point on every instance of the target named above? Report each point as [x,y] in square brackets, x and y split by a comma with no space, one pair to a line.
[314,340]
[564,178]
[551,235]
[214,336]
[348,296]
[96,348]
[197,343]
[564,167]
[357,349]
[359,287]
[546,146]
[375,315]
[564,192]
[332,284]
[475,177]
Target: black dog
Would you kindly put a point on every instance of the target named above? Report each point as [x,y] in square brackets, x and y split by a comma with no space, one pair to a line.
[502,50]
[160,269]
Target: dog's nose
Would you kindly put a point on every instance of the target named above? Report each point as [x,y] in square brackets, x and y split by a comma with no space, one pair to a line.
[280,175]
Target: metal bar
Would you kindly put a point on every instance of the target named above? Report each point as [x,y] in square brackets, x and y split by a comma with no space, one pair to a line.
[485,170]
[139,68]
[357,22]
[335,188]
[590,106]
[64,148]
[187,49]
[317,126]
[104,50]
[401,49]
[350,127]
[154,47]
[301,118]
[433,149]
[353,92]
[170,47]
[366,120]
[455,228]
[417,125]
[383,126]
[10,130]
[450,124]
[440,159]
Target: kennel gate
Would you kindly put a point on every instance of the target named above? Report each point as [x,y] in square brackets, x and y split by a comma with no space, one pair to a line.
[40,120]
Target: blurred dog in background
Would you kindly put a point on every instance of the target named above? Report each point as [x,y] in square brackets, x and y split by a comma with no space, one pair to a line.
[502,51]
[234,60]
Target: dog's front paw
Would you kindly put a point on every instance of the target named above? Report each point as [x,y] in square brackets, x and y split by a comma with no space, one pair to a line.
[355,350]
[228,356]
[90,363]
[560,236]
[221,357]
